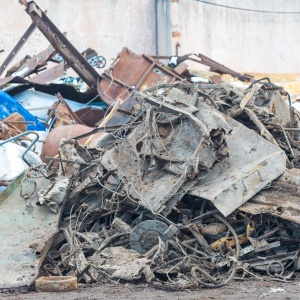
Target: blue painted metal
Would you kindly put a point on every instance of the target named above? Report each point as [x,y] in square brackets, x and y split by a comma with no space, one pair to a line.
[9,105]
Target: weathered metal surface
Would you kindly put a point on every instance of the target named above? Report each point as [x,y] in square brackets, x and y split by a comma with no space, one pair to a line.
[15,125]
[121,263]
[90,116]
[168,148]
[51,144]
[213,229]
[215,66]
[23,225]
[252,164]
[35,63]
[272,263]
[139,175]
[142,72]
[50,74]
[281,199]
[145,235]
[54,195]
[61,114]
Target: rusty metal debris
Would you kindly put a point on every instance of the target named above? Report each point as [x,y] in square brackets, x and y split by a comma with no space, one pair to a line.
[140,204]
[169,182]
[56,284]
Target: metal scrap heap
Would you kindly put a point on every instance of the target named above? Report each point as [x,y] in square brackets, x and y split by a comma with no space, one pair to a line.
[175,183]
[142,204]
[161,197]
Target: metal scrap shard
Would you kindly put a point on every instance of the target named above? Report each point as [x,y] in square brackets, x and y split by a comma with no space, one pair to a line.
[252,164]
[170,147]
[281,199]
[23,228]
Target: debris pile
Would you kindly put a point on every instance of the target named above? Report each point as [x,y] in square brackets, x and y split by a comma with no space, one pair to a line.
[177,184]
[136,207]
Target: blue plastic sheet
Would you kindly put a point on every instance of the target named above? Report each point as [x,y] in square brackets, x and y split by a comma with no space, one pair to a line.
[9,105]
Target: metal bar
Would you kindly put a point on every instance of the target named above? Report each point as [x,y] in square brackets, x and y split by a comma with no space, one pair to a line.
[162,56]
[62,45]
[28,148]
[18,46]
[118,81]
[145,75]
[210,63]
[292,129]
[150,59]
[19,122]
[218,67]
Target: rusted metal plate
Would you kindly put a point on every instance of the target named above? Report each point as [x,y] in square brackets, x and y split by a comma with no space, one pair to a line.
[131,72]
[62,114]
[36,62]
[253,162]
[51,144]
[23,227]
[50,74]
[219,68]
[90,116]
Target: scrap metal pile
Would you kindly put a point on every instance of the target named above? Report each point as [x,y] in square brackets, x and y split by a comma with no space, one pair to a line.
[176,184]
[142,203]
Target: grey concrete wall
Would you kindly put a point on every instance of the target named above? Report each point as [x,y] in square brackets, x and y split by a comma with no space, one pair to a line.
[105,25]
[244,41]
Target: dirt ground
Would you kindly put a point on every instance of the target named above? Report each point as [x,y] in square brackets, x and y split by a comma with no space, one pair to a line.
[236,290]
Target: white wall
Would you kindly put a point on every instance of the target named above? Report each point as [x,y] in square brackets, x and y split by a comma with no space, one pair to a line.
[243,41]
[105,25]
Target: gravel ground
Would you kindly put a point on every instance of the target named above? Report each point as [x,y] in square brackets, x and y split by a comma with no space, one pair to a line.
[236,290]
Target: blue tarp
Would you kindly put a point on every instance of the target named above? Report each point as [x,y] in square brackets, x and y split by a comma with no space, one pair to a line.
[9,105]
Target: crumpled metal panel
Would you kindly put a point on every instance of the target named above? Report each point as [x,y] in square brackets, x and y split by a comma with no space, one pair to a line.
[168,148]
[282,199]
[26,231]
[253,162]
[122,263]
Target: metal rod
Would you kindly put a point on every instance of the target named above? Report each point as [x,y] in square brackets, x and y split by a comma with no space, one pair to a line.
[18,46]
[20,122]
[291,129]
[28,148]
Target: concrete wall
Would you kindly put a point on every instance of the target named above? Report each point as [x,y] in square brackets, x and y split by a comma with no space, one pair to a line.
[105,25]
[244,41]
